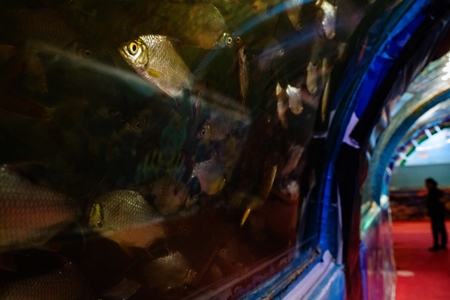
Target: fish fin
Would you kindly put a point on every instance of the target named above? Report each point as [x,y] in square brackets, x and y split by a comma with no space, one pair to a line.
[154,73]
[245,216]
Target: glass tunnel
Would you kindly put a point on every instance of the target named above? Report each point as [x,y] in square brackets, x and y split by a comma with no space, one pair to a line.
[212,149]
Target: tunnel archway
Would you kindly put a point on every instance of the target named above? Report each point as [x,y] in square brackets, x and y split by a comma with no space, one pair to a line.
[373,81]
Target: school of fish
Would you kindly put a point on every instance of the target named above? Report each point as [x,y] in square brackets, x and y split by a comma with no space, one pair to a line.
[141,141]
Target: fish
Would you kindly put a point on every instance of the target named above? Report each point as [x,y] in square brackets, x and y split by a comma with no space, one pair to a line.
[259,6]
[295,99]
[31,214]
[282,105]
[66,283]
[169,272]
[126,218]
[170,195]
[211,175]
[296,153]
[312,76]
[32,77]
[154,58]
[10,99]
[328,19]
[243,73]
[254,201]
[293,11]
[217,127]
[41,29]
[194,24]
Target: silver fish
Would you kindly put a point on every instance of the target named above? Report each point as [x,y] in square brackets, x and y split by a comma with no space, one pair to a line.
[125,217]
[328,19]
[295,99]
[169,272]
[31,214]
[210,173]
[66,283]
[154,58]
[282,105]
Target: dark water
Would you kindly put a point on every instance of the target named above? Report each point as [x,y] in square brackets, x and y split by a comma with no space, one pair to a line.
[165,187]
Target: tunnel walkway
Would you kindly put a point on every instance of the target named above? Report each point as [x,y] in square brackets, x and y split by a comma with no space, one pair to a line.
[421,274]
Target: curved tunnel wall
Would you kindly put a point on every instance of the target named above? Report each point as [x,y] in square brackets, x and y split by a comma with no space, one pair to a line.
[375,74]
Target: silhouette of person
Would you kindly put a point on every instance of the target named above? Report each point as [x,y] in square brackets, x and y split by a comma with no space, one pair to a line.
[436,212]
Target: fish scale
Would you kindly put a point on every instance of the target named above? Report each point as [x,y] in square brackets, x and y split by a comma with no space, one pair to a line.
[31,214]
[125,217]
[157,62]
[63,284]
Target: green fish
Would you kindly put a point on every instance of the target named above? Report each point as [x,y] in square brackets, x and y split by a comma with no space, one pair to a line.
[154,58]
[126,218]
[31,214]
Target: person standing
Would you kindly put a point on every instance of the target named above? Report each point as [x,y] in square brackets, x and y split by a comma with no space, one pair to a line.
[436,212]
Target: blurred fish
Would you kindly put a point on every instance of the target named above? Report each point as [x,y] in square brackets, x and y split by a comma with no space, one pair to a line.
[328,19]
[154,58]
[254,201]
[125,217]
[295,155]
[31,214]
[295,99]
[218,126]
[312,76]
[259,6]
[32,77]
[199,25]
[64,284]
[282,105]
[170,195]
[293,11]
[10,100]
[243,73]
[40,29]
[210,173]
[169,272]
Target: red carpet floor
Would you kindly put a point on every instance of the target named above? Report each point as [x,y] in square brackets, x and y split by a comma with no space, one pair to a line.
[420,274]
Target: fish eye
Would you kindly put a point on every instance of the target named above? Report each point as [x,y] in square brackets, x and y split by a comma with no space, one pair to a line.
[229,40]
[238,39]
[100,224]
[133,47]
[87,53]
